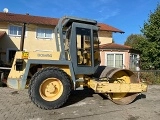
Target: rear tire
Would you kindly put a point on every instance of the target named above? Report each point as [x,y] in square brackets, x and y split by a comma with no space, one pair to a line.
[49,88]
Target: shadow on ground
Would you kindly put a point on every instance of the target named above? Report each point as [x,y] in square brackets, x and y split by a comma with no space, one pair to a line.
[140,96]
[79,95]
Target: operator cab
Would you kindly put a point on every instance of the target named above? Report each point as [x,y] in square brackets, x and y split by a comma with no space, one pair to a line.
[80,43]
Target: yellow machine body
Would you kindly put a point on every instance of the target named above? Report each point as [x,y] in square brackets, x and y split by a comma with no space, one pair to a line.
[15,76]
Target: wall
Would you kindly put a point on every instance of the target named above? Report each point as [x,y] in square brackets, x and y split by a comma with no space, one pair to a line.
[31,43]
[105,37]
[125,52]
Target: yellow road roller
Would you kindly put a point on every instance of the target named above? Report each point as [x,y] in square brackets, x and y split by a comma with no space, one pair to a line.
[50,76]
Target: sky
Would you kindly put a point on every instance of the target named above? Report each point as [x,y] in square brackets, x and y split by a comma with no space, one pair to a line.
[126,15]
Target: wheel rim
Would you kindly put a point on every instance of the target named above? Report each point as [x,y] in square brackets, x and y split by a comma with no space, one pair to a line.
[122,98]
[51,89]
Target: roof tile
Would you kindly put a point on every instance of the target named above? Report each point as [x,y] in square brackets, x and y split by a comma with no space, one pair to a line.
[21,18]
[106,27]
[10,17]
[115,46]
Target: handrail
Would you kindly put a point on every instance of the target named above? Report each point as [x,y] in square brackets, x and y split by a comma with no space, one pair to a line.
[5,68]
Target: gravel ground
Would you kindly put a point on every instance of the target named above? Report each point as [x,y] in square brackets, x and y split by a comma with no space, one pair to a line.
[82,105]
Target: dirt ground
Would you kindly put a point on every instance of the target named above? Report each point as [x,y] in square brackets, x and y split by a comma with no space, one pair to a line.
[82,105]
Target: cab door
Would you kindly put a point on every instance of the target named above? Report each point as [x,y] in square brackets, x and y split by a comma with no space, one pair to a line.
[81,48]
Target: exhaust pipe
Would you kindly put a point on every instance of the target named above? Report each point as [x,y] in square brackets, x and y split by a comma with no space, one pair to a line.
[22,37]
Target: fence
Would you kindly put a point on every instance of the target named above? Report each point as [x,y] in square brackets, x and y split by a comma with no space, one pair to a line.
[148,76]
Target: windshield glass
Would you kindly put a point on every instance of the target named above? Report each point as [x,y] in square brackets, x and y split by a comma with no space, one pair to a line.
[83,46]
[96,48]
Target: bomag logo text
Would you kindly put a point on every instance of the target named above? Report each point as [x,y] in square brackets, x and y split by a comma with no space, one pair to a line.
[44,55]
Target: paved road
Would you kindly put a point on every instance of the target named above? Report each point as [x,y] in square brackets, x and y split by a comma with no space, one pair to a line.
[82,105]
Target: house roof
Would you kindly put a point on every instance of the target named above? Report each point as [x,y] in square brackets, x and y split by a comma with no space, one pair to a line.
[11,17]
[115,46]
[21,18]
[2,33]
[105,27]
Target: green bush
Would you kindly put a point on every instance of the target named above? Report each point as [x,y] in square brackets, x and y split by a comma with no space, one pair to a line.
[150,77]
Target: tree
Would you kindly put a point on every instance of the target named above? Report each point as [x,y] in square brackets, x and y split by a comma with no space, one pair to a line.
[133,39]
[139,42]
[151,30]
[146,50]
[149,42]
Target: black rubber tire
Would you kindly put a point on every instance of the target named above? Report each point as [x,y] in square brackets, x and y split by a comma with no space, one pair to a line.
[39,77]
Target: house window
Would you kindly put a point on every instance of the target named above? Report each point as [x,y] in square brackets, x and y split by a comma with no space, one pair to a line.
[133,61]
[15,30]
[115,60]
[44,33]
